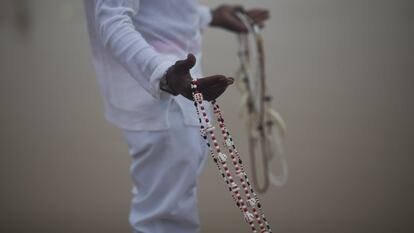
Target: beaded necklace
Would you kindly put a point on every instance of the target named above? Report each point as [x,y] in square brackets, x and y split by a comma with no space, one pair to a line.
[239,186]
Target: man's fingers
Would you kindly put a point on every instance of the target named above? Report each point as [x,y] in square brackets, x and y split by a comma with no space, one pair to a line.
[213,86]
[214,81]
[212,94]
[183,66]
[211,81]
[261,13]
[238,8]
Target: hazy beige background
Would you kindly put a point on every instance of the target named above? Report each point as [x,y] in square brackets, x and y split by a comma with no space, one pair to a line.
[341,72]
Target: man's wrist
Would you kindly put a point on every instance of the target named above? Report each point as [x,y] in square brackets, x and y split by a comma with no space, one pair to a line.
[215,21]
[164,86]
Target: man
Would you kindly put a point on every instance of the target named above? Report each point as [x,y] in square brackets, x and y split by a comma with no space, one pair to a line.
[145,54]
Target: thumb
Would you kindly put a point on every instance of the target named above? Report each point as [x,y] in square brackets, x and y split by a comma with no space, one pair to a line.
[183,66]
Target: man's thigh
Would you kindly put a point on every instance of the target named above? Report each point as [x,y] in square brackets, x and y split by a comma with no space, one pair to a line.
[164,169]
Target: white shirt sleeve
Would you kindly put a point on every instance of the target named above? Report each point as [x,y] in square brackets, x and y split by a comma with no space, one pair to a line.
[115,27]
[205,16]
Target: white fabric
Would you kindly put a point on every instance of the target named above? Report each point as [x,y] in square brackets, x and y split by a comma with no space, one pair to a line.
[165,166]
[133,43]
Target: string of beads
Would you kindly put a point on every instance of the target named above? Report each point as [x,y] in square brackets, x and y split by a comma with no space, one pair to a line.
[246,200]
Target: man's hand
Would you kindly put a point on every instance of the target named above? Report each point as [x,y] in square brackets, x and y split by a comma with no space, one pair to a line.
[225,17]
[179,80]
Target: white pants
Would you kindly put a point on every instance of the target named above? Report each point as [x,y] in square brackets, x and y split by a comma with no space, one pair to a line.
[165,166]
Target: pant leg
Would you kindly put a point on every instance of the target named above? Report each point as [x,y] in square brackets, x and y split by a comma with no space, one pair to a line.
[164,169]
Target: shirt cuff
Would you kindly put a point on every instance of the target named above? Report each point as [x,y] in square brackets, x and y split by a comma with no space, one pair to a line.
[205,17]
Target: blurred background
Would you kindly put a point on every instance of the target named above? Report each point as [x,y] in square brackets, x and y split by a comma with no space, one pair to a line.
[341,72]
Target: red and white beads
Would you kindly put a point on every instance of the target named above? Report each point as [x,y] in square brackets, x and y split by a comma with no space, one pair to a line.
[246,200]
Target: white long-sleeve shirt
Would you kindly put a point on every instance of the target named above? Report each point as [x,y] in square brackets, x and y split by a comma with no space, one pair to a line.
[133,44]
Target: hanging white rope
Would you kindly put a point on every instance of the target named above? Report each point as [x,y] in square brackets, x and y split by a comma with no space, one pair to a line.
[266,127]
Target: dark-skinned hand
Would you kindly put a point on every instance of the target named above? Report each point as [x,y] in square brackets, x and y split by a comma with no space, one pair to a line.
[225,17]
[179,80]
